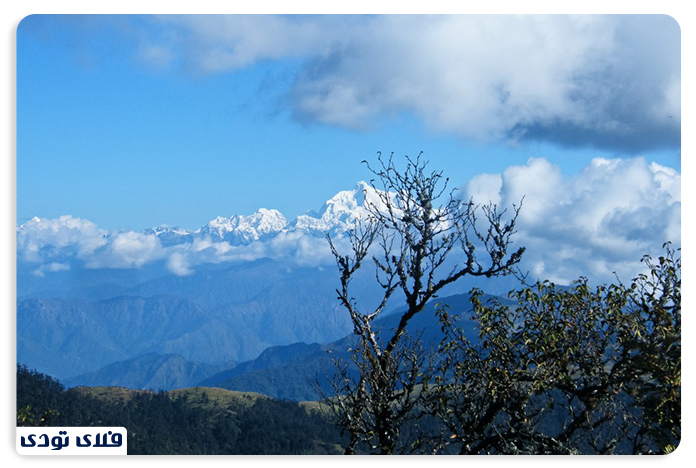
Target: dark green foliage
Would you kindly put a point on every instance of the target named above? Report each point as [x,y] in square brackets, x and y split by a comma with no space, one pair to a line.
[654,337]
[277,426]
[568,370]
[38,398]
[160,423]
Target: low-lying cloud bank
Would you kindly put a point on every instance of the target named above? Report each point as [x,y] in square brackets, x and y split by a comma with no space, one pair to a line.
[45,243]
[595,223]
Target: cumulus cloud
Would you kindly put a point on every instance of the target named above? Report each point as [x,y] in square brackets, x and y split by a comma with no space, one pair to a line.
[600,221]
[39,239]
[126,250]
[48,242]
[608,81]
[611,81]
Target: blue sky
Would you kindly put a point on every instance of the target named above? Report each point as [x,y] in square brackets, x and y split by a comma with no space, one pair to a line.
[133,122]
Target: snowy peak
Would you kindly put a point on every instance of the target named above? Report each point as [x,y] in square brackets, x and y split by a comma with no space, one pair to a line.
[169,236]
[267,221]
[337,215]
[340,212]
[346,201]
[244,229]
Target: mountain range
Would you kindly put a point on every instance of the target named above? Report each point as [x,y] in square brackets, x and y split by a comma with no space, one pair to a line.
[224,315]
[294,372]
[263,324]
[338,215]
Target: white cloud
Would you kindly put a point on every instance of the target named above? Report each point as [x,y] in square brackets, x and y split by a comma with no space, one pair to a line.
[609,81]
[39,238]
[484,188]
[50,242]
[127,250]
[302,248]
[669,180]
[215,43]
[178,264]
[595,223]
[51,267]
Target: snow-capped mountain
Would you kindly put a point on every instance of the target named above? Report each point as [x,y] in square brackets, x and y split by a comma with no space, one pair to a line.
[341,212]
[169,236]
[50,245]
[338,214]
[240,229]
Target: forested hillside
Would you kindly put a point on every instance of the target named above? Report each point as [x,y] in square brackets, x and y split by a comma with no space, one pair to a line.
[182,422]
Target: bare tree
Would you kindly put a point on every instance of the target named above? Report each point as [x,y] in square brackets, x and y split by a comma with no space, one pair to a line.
[412,228]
